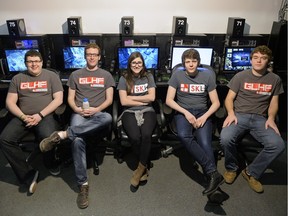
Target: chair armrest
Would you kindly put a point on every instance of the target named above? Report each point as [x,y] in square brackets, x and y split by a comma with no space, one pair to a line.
[115,108]
[3,112]
[60,110]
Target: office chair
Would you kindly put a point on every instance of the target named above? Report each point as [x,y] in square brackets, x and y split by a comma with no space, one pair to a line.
[121,139]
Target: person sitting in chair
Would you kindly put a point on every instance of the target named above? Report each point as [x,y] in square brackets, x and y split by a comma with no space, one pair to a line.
[192,89]
[97,85]
[137,92]
[252,105]
[32,98]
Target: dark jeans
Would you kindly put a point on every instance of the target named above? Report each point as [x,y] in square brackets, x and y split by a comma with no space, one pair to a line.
[140,136]
[272,142]
[12,135]
[197,141]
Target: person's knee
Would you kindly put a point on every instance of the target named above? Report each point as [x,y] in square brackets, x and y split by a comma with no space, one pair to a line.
[78,144]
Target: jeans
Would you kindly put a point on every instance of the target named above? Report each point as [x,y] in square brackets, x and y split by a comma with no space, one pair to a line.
[199,144]
[140,136]
[80,128]
[272,142]
[12,134]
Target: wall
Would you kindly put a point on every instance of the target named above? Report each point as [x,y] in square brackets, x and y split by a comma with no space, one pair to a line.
[150,16]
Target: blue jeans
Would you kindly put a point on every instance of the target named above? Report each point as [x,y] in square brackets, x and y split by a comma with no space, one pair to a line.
[272,142]
[13,133]
[80,128]
[197,141]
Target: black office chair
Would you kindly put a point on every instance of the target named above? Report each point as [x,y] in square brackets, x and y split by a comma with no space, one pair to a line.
[121,139]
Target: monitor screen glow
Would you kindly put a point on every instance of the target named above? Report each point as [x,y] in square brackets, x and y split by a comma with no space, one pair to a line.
[206,55]
[74,57]
[15,59]
[237,59]
[150,55]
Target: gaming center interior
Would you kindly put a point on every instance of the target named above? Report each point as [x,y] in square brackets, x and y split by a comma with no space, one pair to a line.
[226,54]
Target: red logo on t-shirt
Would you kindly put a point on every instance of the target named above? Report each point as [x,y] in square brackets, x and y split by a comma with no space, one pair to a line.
[37,86]
[140,88]
[259,88]
[93,81]
[184,87]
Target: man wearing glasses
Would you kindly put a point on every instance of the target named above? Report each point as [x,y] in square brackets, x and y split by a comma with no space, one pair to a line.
[32,98]
[96,85]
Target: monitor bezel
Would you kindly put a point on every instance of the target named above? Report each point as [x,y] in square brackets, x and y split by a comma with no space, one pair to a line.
[172,64]
[139,47]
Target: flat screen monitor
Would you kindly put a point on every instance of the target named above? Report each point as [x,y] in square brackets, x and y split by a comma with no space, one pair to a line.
[74,57]
[206,54]
[150,55]
[15,60]
[237,59]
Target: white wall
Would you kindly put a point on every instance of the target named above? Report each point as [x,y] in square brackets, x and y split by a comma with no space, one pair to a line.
[150,16]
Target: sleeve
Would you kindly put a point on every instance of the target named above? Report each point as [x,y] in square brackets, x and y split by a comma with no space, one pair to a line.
[56,83]
[278,87]
[121,84]
[211,82]
[70,83]
[173,81]
[151,81]
[13,86]
[234,83]
[110,81]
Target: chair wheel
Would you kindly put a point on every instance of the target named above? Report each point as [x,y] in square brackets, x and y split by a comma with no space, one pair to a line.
[120,160]
[95,168]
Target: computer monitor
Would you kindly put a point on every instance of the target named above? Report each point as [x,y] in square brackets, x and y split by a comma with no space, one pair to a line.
[206,54]
[15,60]
[237,59]
[150,55]
[74,57]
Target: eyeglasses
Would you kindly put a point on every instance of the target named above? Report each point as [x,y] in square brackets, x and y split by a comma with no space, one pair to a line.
[92,54]
[140,63]
[31,62]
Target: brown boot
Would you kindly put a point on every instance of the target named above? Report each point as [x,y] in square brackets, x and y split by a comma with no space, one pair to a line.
[145,175]
[137,174]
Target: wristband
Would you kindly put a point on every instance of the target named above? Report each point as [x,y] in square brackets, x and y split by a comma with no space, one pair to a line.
[22,117]
[40,114]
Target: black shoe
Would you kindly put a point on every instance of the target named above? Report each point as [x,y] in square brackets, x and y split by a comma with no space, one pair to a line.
[215,180]
[82,199]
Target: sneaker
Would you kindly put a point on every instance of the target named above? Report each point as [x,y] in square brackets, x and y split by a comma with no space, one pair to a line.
[230,176]
[82,199]
[33,184]
[55,171]
[253,183]
[48,143]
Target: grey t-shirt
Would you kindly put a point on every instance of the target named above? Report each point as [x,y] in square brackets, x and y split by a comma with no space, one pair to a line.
[254,93]
[35,92]
[141,86]
[91,85]
[192,92]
